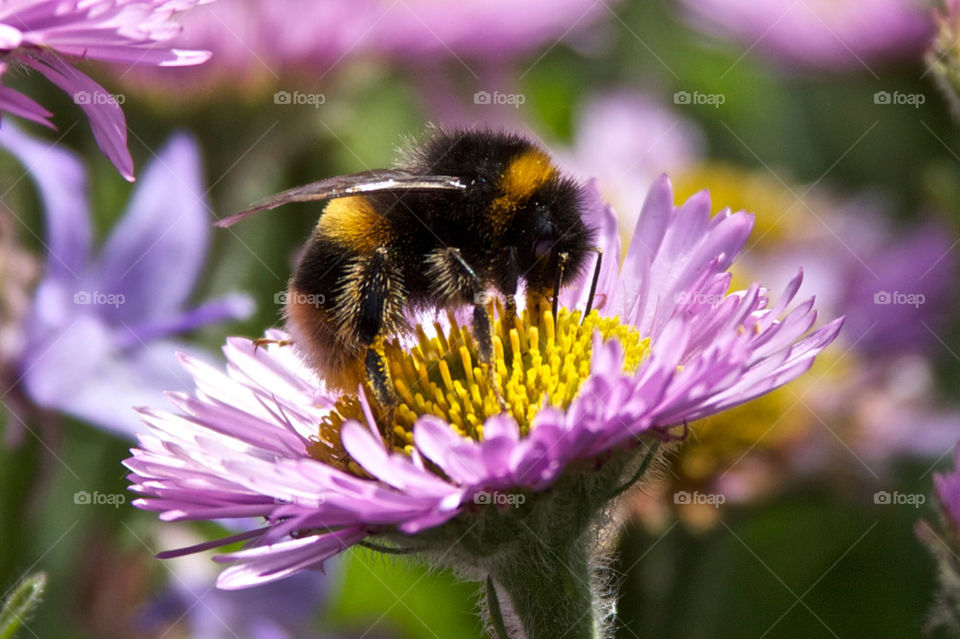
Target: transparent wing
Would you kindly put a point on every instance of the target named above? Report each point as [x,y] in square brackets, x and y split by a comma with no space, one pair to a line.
[353,184]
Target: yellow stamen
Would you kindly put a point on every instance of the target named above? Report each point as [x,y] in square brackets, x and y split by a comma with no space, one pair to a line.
[444,376]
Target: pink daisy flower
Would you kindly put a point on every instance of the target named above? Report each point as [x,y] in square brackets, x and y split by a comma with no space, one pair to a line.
[497,496]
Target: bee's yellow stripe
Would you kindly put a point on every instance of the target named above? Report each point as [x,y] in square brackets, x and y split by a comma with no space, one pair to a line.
[525,174]
[353,222]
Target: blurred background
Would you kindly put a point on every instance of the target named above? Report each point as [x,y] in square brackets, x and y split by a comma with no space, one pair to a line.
[792,516]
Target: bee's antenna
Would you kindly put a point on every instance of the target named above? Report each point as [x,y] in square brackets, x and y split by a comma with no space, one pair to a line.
[593,283]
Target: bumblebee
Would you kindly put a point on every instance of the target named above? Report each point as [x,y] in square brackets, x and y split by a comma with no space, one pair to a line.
[463,214]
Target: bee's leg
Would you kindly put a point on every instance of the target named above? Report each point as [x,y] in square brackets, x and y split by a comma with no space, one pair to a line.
[260,342]
[377,291]
[537,297]
[483,333]
[562,259]
[378,378]
[455,278]
[508,285]
[593,282]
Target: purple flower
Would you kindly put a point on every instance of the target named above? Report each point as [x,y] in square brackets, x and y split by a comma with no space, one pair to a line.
[668,345]
[894,286]
[99,334]
[943,541]
[627,139]
[309,39]
[833,34]
[282,610]
[479,29]
[947,487]
[47,35]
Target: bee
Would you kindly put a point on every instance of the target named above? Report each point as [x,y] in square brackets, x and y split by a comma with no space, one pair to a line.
[464,213]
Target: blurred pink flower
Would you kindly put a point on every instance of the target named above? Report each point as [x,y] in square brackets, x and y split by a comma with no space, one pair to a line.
[826,34]
[48,35]
[100,334]
[266,41]
[626,139]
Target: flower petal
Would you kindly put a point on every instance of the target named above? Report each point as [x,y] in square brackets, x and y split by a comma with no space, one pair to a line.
[62,184]
[107,121]
[166,223]
[264,564]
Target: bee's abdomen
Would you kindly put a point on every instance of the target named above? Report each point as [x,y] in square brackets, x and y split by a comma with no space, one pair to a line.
[321,270]
[318,342]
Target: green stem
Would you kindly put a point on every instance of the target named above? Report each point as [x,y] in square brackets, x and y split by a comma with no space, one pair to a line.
[496,615]
[549,590]
[21,602]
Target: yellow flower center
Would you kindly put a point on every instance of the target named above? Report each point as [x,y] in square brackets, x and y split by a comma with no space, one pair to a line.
[443,376]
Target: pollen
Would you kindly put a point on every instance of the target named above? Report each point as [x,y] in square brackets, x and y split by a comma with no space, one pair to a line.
[534,364]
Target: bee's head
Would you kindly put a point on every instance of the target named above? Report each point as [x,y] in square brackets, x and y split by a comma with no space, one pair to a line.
[554,228]
[527,202]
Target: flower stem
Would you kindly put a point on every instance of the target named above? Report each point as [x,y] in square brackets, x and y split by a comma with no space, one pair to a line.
[547,591]
[21,603]
[496,616]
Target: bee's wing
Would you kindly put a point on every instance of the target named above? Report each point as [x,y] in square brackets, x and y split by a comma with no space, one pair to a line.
[353,184]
